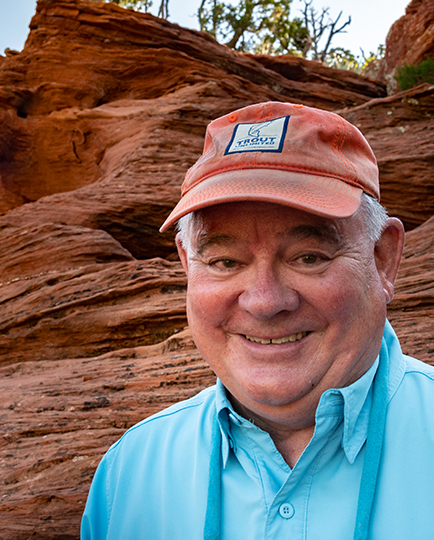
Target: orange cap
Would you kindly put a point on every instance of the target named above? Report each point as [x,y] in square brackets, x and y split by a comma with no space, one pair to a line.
[283,153]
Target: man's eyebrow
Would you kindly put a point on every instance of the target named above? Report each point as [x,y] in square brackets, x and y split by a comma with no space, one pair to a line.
[205,241]
[323,233]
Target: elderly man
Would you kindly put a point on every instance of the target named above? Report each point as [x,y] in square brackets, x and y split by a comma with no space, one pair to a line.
[318,428]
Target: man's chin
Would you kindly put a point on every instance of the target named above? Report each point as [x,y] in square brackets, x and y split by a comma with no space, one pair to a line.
[272,395]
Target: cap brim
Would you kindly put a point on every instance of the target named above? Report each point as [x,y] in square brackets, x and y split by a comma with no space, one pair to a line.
[320,195]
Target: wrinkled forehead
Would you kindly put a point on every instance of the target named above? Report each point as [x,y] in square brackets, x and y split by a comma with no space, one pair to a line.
[224,223]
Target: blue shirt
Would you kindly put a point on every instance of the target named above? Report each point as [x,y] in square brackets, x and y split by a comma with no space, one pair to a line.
[153,483]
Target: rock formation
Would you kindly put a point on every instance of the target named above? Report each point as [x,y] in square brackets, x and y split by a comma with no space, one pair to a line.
[400,129]
[410,40]
[412,310]
[102,113]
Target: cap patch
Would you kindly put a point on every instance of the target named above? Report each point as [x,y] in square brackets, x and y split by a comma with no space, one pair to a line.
[262,137]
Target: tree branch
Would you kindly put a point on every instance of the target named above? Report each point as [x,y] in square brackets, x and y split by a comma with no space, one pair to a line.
[163,11]
[333,32]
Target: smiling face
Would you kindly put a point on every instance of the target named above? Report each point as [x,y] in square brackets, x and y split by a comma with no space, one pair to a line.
[284,305]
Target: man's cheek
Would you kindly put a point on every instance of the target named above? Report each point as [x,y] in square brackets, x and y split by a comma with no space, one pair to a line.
[203,307]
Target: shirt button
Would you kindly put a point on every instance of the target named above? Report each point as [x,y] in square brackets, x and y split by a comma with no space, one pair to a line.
[286,510]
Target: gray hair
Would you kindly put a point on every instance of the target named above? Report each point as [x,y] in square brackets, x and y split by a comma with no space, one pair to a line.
[187,226]
[374,216]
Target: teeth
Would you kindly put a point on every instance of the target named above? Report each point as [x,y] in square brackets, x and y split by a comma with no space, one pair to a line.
[278,341]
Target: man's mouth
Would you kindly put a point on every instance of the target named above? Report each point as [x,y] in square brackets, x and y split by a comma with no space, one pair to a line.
[278,341]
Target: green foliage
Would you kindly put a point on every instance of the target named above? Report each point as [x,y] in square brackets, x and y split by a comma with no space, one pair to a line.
[143,5]
[251,25]
[265,27]
[410,76]
[364,60]
[211,15]
[138,5]
[282,36]
[340,58]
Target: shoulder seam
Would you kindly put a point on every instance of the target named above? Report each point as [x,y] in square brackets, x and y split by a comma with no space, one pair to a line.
[420,372]
[168,411]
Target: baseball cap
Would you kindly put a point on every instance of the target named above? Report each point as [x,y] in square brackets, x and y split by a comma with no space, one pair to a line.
[283,153]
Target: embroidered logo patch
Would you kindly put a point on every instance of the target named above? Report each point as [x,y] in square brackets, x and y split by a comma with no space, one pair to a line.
[262,137]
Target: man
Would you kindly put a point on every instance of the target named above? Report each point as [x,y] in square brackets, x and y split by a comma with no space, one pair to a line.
[319,427]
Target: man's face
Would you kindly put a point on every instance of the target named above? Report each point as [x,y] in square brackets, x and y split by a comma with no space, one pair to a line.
[283,305]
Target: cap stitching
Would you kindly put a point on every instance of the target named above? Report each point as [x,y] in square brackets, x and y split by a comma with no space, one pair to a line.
[269,115]
[338,134]
[338,152]
[344,157]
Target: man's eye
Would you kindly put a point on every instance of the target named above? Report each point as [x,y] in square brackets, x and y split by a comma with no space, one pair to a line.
[224,263]
[309,259]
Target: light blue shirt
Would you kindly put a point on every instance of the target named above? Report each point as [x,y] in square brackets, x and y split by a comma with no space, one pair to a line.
[152,484]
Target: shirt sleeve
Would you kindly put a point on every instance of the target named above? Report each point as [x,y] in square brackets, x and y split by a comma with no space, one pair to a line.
[96,517]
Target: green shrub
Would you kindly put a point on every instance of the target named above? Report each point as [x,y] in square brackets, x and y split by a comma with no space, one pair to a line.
[410,76]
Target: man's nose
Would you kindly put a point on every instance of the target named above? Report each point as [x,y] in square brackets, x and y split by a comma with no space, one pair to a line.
[265,294]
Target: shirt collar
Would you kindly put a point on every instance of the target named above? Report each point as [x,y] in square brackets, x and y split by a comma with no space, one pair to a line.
[355,404]
[224,408]
[397,362]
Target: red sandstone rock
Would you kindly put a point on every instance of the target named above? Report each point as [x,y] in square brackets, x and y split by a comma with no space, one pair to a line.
[59,417]
[152,144]
[410,40]
[89,310]
[400,129]
[63,248]
[412,310]
[342,85]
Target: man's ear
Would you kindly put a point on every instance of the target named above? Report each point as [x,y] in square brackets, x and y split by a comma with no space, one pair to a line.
[182,252]
[388,251]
